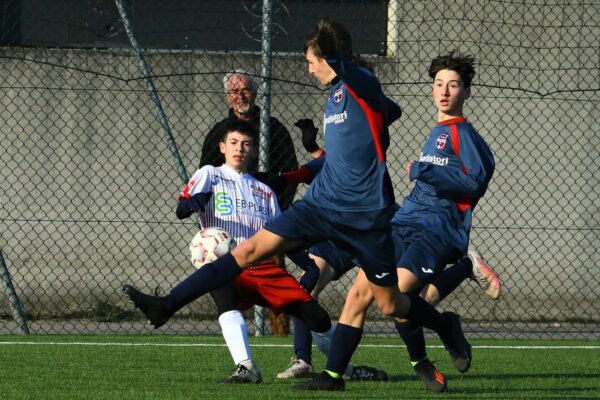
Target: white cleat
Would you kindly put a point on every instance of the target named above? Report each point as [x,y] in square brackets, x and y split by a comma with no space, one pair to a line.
[485,277]
[298,369]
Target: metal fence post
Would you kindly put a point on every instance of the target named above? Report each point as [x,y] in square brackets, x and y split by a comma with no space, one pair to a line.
[13,299]
[265,124]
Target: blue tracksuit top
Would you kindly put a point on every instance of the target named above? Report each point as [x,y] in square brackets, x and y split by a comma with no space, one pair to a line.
[354,176]
[452,174]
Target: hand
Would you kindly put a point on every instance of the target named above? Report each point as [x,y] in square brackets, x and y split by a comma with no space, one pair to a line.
[407,168]
[309,134]
[310,277]
[275,181]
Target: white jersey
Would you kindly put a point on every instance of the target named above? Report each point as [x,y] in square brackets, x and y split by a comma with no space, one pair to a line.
[240,204]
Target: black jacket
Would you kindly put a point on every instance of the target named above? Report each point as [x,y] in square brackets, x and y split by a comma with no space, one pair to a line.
[282,155]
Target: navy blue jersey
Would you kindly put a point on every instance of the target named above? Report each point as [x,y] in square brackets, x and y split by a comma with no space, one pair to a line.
[452,174]
[354,176]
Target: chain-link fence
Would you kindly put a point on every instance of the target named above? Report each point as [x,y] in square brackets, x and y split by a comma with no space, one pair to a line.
[90,180]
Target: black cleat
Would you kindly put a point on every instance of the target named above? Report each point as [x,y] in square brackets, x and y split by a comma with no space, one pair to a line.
[151,306]
[433,379]
[241,374]
[364,373]
[322,381]
[457,345]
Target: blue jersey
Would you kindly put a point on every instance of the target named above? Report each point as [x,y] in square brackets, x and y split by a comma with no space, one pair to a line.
[354,176]
[452,174]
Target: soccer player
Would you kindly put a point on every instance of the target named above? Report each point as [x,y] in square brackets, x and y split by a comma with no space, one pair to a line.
[242,205]
[349,202]
[432,226]
[333,262]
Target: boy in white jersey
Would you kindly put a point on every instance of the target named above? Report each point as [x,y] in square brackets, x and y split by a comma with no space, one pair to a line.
[228,197]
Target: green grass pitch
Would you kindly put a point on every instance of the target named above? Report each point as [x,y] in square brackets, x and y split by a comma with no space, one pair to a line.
[187,367]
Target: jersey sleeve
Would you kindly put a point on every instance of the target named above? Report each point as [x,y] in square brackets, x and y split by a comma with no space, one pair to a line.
[199,183]
[363,82]
[468,174]
[394,112]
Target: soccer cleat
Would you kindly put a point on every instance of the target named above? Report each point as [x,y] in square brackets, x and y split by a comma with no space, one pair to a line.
[456,344]
[485,277]
[322,381]
[298,369]
[241,374]
[433,379]
[151,306]
[364,373]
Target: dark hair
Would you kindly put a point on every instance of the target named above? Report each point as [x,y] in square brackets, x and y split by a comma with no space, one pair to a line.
[464,65]
[241,126]
[341,38]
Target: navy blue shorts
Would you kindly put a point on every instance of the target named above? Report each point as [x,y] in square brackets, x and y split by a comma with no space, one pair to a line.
[423,253]
[365,235]
[338,259]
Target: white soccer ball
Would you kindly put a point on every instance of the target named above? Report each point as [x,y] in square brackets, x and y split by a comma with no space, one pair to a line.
[210,244]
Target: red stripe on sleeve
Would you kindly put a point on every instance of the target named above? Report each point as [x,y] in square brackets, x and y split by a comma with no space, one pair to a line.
[301,175]
[463,202]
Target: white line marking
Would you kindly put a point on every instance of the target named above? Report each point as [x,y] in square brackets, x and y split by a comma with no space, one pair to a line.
[278,345]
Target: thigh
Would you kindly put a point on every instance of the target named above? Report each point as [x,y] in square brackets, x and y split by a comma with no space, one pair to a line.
[263,245]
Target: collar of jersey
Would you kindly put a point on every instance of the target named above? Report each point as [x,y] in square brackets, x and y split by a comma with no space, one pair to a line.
[453,121]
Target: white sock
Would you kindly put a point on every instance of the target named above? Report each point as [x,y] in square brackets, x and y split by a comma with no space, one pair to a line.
[235,334]
[323,342]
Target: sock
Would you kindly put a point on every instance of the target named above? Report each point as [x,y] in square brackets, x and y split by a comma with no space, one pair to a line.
[211,276]
[344,342]
[323,343]
[451,277]
[302,341]
[423,313]
[235,334]
[413,337]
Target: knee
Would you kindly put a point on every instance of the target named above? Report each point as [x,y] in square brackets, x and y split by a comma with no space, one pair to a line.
[244,253]
[358,300]
[396,306]
[387,308]
[431,294]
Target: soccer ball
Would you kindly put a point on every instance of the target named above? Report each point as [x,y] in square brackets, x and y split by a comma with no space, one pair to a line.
[210,244]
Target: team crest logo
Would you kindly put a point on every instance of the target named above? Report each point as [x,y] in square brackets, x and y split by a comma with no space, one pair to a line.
[338,95]
[440,142]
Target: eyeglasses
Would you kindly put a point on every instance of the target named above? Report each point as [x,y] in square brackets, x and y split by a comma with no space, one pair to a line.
[244,92]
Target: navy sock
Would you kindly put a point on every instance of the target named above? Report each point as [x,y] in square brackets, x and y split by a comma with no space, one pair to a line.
[451,277]
[423,313]
[302,341]
[211,276]
[344,342]
[414,339]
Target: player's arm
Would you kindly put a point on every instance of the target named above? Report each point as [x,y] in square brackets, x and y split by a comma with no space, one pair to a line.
[304,174]
[394,112]
[363,83]
[195,195]
[470,176]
